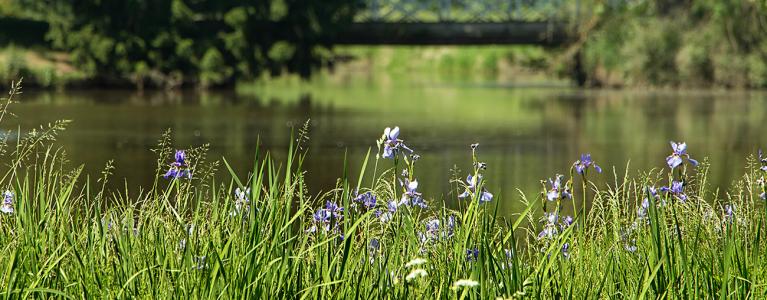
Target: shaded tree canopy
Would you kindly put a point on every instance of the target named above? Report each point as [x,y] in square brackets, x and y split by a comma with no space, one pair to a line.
[200,42]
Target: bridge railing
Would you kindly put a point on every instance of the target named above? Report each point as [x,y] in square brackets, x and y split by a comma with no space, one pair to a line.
[467,11]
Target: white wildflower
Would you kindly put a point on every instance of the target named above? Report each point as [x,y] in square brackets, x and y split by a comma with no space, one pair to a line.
[415,262]
[416,274]
[464,283]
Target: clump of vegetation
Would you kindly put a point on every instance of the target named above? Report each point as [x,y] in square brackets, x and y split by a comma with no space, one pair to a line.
[452,63]
[265,234]
[691,44]
[168,43]
[43,69]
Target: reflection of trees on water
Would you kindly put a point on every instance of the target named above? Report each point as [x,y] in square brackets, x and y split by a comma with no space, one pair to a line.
[524,135]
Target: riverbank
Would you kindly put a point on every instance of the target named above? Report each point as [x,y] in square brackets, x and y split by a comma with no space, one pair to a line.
[44,69]
[493,65]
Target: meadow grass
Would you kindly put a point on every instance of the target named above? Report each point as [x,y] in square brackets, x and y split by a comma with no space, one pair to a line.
[265,235]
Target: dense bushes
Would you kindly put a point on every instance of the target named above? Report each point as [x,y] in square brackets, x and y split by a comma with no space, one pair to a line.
[170,42]
[695,43]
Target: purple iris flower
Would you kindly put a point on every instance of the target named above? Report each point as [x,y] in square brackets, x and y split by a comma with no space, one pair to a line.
[321,216]
[645,205]
[642,209]
[471,186]
[553,224]
[7,206]
[432,231]
[334,209]
[438,228]
[241,201]
[392,143]
[653,192]
[551,217]
[566,250]
[584,163]
[450,225]
[373,247]
[763,161]
[432,226]
[558,191]
[677,190]
[411,197]
[200,262]
[631,247]
[472,254]
[419,201]
[679,155]
[550,225]
[728,211]
[548,232]
[368,200]
[509,253]
[567,222]
[324,215]
[391,207]
[106,223]
[179,168]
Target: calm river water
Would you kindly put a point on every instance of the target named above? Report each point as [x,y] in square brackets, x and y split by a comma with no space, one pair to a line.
[525,133]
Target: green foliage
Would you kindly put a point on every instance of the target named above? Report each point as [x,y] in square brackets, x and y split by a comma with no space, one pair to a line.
[459,63]
[213,69]
[668,43]
[129,39]
[14,65]
[757,69]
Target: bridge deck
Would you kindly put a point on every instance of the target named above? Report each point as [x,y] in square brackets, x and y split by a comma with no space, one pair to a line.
[378,33]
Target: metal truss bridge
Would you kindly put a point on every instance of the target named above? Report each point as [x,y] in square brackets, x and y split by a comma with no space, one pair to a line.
[461,22]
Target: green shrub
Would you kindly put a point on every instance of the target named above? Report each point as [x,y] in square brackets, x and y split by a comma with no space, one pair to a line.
[694,60]
[757,70]
[213,69]
[14,66]
[45,76]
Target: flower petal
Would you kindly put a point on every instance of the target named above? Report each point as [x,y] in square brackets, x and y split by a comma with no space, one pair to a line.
[673,161]
[171,173]
[552,195]
[486,197]
[413,185]
[394,133]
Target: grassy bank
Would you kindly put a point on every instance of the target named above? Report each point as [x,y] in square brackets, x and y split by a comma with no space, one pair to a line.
[501,64]
[42,68]
[193,235]
[485,64]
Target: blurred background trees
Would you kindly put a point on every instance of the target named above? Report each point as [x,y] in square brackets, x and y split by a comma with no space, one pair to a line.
[696,43]
[208,43]
[200,42]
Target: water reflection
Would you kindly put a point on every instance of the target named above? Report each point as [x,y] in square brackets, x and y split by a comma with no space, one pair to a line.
[525,134]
